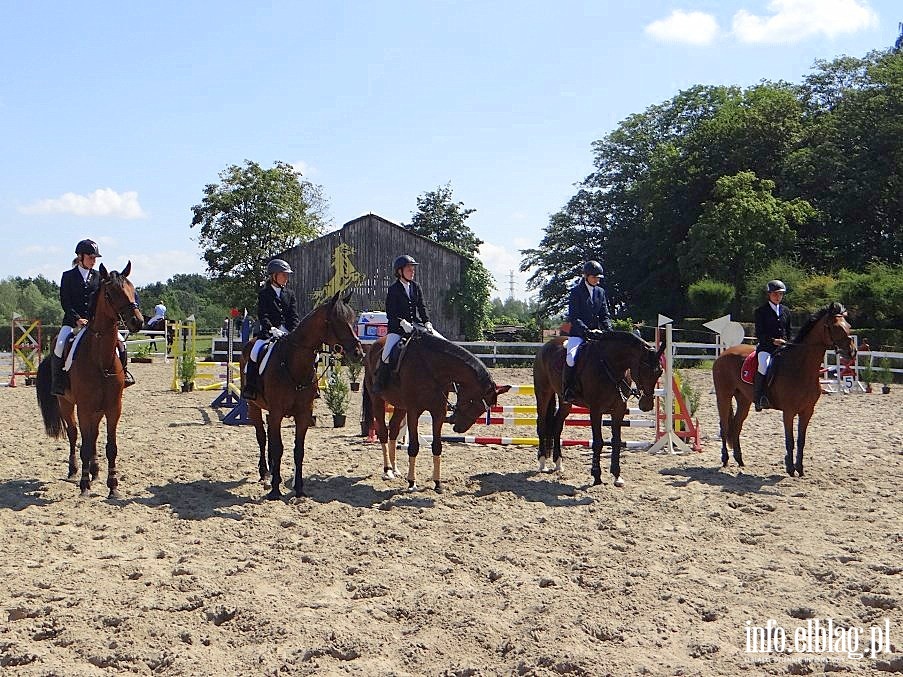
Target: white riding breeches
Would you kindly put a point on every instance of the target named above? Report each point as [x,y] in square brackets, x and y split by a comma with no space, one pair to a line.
[61,338]
[391,341]
[570,349]
[764,361]
[256,348]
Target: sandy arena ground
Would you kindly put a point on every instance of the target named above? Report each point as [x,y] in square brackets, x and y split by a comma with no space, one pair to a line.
[507,572]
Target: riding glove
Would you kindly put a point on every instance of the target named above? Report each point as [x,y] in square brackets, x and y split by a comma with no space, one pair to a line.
[407,326]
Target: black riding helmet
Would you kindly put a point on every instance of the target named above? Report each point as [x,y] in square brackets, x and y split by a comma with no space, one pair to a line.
[278,266]
[402,261]
[775,285]
[592,268]
[87,247]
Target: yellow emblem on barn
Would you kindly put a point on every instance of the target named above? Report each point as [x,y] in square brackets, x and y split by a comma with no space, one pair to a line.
[345,275]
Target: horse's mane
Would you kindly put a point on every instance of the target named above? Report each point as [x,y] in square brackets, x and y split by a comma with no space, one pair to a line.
[833,308]
[625,337]
[450,349]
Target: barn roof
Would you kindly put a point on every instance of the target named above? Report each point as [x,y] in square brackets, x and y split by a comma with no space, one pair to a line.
[408,233]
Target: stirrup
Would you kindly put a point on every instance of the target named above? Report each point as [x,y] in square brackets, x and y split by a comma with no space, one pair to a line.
[128,379]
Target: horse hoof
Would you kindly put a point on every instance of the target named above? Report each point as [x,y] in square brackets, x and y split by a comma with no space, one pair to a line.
[85,493]
[619,482]
[274,496]
[799,470]
[439,488]
[388,474]
[114,494]
[412,488]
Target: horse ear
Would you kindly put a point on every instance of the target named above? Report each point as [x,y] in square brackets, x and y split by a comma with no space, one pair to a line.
[128,269]
[347,298]
[335,298]
[103,272]
[502,389]
[660,351]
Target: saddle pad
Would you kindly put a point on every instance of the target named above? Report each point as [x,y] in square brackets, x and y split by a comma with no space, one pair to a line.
[267,351]
[71,355]
[748,370]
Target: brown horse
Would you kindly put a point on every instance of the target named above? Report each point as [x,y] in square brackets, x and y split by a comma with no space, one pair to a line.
[288,386]
[96,381]
[794,389]
[431,368]
[602,366]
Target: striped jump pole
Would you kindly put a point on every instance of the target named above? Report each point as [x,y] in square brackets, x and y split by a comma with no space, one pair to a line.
[524,441]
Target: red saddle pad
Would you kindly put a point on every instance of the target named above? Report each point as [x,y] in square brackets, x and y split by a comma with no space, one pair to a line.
[748,370]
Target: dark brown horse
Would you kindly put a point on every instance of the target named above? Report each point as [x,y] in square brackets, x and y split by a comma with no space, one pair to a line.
[795,388]
[431,368]
[288,385]
[602,366]
[96,381]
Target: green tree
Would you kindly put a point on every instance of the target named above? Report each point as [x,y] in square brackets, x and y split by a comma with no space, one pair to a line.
[574,235]
[251,215]
[740,229]
[441,219]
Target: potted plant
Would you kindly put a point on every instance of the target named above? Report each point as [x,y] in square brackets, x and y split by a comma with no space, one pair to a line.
[868,375]
[187,368]
[142,354]
[354,373]
[885,375]
[336,397]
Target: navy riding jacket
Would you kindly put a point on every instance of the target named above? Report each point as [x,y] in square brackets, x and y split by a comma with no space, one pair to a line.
[585,312]
[401,307]
[275,311]
[77,295]
[769,327]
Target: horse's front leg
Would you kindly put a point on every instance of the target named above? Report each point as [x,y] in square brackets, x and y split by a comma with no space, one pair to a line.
[788,442]
[390,447]
[595,421]
[616,421]
[274,443]
[302,423]
[801,438]
[255,414]
[67,413]
[89,426]
[112,450]
[743,406]
[557,429]
[438,418]
[414,446]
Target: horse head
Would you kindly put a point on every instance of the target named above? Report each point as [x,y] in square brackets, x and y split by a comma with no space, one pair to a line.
[646,372]
[838,331]
[119,294]
[474,401]
[340,328]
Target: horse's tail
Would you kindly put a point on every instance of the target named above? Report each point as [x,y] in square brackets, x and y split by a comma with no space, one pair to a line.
[366,412]
[50,405]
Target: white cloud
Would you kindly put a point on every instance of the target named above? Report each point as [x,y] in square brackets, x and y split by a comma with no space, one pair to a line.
[303,168]
[102,202]
[795,20]
[501,262]
[157,266]
[692,28]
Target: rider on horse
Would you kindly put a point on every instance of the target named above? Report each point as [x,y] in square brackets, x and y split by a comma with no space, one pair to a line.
[78,287]
[404,308]
[772,332]
[277,315]
[587,312]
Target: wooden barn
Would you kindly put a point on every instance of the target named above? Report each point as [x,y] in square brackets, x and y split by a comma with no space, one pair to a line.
[358,258]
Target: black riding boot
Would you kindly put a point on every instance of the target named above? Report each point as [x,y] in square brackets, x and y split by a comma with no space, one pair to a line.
[381,379]
[124,358]
[568,383]
[759,398]
[60,379]
[249,387]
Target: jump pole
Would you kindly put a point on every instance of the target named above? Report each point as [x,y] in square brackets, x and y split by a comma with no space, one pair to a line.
[669,440]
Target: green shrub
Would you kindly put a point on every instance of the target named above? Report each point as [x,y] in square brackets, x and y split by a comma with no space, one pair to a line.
[710,298]
[336,395]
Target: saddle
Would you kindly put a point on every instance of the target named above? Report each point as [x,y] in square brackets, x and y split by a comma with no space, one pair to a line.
[751,365]
[396,357]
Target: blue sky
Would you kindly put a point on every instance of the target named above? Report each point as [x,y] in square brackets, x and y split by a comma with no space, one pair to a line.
[113,116]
